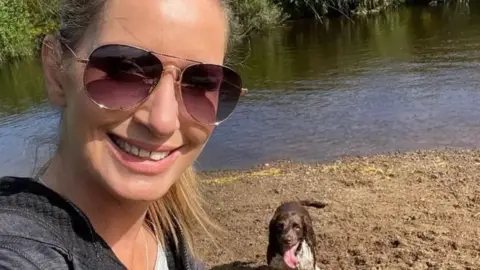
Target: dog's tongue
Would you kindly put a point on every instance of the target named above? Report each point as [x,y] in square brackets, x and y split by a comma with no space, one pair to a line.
[290,258]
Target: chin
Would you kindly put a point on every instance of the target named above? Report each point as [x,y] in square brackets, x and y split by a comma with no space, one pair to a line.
[136,187]
[140,194]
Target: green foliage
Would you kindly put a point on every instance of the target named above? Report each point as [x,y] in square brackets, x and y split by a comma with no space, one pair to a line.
[256,15]
[15,29]
[45,15]
[22,22]
[317,8]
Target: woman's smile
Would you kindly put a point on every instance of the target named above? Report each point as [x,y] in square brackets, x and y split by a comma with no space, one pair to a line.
[142,157]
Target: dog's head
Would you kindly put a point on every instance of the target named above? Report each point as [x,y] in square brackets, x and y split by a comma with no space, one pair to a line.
[288,229]
[289,226]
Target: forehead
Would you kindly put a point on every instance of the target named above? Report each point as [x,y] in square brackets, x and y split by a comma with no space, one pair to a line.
[289,217]
[184,28]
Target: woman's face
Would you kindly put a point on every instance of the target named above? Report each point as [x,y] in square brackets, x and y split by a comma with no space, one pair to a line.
[124,151]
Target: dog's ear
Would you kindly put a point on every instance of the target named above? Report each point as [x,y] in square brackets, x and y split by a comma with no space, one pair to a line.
[308,231]
[272,239]
[310,236]
[271,230]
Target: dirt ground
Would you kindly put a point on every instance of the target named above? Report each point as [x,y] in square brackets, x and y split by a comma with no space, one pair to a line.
[418,210]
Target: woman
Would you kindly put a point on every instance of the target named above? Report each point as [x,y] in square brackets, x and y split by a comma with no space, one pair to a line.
[141,87]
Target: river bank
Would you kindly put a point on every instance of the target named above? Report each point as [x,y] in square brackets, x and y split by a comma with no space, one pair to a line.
[414,210]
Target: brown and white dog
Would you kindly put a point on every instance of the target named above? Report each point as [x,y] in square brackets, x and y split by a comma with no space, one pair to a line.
[291,239]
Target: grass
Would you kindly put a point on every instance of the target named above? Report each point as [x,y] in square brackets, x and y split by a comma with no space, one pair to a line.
[227,179]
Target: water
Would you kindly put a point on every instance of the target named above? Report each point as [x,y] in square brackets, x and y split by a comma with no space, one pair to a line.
[403,80]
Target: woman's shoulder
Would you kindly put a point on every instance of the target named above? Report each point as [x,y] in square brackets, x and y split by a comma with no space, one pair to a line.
[25,253]
[18,194]
[14,188]
[34,217]
[7,182]
[27,198]
[27,210]
[25,242]
[29,195]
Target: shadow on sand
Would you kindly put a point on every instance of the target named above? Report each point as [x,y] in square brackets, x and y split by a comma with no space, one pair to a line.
[240,266]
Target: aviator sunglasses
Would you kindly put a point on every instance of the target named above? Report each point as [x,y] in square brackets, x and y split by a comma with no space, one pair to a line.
[120,77]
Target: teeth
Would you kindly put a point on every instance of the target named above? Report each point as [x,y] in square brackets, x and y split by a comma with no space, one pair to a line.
[140,152]
[134,150]
[143,153]
[128,147]
[158,155]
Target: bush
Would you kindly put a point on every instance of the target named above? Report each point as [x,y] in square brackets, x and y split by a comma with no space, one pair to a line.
[15,29]
[316,8]
[22,22]
[256,15]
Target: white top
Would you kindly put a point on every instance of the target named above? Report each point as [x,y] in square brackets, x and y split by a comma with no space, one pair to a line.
[161,261]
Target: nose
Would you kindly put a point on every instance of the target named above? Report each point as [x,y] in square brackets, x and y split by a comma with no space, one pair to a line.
[161,109]
[288,239]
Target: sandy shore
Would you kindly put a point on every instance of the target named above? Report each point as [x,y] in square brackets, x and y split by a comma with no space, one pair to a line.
[417,210]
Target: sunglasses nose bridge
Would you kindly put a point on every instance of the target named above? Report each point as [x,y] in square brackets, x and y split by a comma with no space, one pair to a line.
[175,71]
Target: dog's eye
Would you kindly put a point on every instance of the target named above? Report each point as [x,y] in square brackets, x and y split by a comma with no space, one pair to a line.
[279,227]
[296,227]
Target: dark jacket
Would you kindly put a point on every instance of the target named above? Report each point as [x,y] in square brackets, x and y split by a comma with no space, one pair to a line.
[39,229]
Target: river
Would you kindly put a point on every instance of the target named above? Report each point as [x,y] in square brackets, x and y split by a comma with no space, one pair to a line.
[403,80]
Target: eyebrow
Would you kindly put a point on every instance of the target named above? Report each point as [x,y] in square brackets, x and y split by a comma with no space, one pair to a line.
[133,46]
[172,56]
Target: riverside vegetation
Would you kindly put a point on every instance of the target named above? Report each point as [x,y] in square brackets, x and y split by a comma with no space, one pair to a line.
[24,22]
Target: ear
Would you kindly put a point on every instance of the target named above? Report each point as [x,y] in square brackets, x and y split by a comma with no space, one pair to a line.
[271,231]
[309,234]
[272,247]
[52,70]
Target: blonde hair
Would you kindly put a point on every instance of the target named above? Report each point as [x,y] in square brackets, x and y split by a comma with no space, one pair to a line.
[181,211]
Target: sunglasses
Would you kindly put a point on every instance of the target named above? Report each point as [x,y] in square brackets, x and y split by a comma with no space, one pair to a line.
[120,77]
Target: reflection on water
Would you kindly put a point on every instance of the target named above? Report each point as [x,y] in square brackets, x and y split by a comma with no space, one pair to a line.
[21,88]
[403,80]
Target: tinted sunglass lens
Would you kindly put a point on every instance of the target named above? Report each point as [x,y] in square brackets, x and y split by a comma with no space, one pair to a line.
[119,76]
[210,92]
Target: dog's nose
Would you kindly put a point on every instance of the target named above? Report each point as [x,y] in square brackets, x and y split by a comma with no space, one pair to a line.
[288,240]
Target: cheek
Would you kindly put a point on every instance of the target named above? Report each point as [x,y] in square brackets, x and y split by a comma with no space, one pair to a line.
[85,117]
[80,134]
[79,110]
[87,126]
[195,134]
